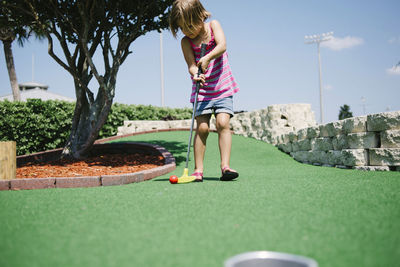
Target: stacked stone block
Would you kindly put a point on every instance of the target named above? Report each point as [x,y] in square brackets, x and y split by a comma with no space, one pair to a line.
[268,124]
[367,143]
[264,124]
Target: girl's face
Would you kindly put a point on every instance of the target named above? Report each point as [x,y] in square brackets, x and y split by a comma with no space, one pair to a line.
[191,31]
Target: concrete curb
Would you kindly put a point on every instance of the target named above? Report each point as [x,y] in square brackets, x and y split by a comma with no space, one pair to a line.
[93,181]
[100,141]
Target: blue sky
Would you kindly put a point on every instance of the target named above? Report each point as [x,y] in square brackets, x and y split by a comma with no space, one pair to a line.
[268,56]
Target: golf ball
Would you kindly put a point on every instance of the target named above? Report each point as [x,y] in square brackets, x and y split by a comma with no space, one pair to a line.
[173,179]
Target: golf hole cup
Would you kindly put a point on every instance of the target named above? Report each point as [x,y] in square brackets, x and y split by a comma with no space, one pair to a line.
[269,259]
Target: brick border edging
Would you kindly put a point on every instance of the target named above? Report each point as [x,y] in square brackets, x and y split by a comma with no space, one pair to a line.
[94,181]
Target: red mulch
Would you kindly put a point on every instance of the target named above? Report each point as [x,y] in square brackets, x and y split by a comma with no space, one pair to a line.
[110,164]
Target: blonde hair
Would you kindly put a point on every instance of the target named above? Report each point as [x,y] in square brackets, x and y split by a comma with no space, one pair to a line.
[186,13]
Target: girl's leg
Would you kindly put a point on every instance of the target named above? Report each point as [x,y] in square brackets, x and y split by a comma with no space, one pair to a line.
[224,138]
[203,126]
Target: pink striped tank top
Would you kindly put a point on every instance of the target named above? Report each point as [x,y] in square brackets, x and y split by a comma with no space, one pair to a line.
[220,82]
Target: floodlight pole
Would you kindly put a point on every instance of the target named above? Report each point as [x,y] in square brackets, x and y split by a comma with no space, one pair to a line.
[318,39]
[321,110]
[162,69]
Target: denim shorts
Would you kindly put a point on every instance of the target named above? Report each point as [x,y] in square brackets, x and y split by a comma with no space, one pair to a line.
[222,105]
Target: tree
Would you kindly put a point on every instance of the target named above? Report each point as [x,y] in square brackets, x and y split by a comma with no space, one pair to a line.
[81,27]
[7,36]
[11,28]
[345,112]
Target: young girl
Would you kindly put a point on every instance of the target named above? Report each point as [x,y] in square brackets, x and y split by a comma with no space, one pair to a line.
[217,82]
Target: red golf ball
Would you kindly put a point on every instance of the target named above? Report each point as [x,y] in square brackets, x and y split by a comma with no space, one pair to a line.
[173,179]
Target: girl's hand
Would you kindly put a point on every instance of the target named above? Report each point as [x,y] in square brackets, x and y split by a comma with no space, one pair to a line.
[203,63]
[201,79]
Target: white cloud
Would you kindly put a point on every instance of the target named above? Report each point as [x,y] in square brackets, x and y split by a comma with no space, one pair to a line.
[395,70]
[394,40]
[337,43]
[328,87]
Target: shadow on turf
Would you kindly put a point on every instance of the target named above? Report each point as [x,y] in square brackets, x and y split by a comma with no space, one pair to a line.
[204,178]
[175,148]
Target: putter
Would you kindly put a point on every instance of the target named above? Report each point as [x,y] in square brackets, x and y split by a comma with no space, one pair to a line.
[185,178]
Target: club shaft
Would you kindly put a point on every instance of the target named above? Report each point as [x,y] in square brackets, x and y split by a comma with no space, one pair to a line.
[203,51]
[192,124]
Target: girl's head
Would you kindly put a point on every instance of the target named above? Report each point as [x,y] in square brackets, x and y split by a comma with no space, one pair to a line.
[188,16]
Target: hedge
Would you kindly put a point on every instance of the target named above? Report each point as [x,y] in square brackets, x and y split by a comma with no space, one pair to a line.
[38,125]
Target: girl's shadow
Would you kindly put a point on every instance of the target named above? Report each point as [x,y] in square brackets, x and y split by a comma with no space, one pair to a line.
[210,179]
[215,179]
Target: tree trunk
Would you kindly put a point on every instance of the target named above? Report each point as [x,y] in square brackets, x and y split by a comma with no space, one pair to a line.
[11,69]
[87,122]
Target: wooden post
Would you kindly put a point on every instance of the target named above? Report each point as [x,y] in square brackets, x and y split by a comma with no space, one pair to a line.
[8,160]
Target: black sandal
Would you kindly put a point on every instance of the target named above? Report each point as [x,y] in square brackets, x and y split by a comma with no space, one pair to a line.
[228,174]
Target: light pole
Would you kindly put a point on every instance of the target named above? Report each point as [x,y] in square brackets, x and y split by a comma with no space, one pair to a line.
[162,69]
[318,39]
[363,104]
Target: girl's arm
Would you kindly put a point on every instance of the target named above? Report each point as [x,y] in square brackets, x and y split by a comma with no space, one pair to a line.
[219,49]
[190,61]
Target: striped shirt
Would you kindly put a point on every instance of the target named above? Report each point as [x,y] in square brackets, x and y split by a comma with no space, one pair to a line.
[220,82]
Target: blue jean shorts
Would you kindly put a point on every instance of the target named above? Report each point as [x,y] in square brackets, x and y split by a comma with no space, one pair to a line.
[222,105]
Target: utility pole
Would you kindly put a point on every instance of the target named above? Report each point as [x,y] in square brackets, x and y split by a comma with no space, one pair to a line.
[318,39]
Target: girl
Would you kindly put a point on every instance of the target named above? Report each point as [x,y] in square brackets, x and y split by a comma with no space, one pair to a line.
[217,82]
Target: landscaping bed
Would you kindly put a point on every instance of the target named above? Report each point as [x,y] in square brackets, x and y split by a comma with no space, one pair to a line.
[108,164]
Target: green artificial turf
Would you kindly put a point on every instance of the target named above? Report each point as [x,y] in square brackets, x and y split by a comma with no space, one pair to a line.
[338,217]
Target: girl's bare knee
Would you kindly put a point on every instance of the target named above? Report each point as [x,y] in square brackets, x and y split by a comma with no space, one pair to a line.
[203,125]
[203,129]
[222,122]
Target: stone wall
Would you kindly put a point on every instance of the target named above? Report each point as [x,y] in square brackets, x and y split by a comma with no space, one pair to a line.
[268,124]
[264,124]
[368,143]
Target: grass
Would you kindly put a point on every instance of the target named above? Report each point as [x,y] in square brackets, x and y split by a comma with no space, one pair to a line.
[338,217]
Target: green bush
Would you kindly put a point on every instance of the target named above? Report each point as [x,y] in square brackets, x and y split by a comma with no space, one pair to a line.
[38,125]
[35,125]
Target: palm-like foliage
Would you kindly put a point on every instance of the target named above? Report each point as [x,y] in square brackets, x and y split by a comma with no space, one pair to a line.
[345,112]
[11,28]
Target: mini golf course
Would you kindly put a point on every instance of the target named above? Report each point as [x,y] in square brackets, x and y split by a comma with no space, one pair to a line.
[338,217]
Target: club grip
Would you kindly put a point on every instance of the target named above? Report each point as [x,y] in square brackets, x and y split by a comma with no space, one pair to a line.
[202,53]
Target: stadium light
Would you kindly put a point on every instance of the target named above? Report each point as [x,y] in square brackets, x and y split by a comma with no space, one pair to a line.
[318,39]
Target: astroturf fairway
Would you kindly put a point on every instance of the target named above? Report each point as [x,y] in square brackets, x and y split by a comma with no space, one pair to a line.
[338,217]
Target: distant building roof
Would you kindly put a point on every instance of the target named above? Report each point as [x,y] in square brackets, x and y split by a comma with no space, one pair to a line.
[36,91]
[32,85]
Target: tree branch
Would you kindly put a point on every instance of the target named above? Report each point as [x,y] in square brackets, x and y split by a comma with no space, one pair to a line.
[61,38]
[61,15]
[106,49]
[84,41]
[55,57]
[75,55]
